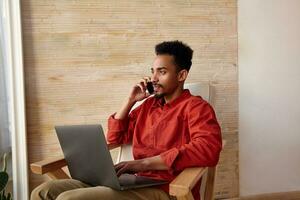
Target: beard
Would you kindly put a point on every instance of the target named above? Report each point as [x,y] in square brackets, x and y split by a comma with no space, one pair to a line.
[158,96]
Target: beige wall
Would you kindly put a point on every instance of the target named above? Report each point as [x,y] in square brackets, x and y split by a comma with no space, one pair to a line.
[81,58]
[269,80]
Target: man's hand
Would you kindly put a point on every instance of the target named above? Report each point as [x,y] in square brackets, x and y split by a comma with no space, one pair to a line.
[131,166]
[146,164]
[138,92]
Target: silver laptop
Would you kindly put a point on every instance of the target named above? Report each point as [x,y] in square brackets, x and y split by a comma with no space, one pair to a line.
[89,160]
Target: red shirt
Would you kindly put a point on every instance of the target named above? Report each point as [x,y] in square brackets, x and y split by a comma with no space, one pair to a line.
[184,132]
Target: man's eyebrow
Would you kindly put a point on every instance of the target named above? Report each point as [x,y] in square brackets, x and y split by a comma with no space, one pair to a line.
[159,68]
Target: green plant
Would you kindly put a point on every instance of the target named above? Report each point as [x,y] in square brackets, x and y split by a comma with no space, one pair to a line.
[3,181]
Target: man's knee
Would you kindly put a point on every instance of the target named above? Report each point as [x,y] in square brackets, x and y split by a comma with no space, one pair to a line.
[70,195]
[92,193]
[50,190]
[43,191]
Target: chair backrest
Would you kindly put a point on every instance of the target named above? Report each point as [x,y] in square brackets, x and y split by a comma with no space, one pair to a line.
[197,89]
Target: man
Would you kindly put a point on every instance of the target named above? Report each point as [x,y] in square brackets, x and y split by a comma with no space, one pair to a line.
[170,131]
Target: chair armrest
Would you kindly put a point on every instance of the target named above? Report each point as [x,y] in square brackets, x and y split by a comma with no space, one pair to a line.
[48,165]
[53,164]
[186,180]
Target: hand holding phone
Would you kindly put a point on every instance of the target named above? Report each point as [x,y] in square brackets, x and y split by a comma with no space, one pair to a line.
[142,90]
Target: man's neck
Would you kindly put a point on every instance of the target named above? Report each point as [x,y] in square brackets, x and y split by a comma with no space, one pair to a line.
[174,95]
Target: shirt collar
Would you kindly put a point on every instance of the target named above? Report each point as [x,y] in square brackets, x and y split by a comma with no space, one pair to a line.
[160,102]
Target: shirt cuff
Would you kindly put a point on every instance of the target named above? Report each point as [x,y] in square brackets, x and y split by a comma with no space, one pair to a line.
[117,124]
[169,157]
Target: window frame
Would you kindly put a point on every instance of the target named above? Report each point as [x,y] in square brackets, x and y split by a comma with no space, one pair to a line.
[16,96]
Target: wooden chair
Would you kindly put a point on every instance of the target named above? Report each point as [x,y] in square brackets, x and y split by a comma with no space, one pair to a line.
[180,187]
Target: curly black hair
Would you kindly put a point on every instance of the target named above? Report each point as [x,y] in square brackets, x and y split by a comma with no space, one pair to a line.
[181,52]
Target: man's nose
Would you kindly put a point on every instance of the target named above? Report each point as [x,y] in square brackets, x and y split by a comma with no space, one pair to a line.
[154,77]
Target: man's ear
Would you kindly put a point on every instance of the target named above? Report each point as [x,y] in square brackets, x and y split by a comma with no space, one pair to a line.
[182,75]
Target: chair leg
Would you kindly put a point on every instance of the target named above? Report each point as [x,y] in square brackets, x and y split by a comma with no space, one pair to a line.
[209,190]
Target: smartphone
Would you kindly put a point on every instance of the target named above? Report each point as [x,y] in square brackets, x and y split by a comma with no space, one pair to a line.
[150,87]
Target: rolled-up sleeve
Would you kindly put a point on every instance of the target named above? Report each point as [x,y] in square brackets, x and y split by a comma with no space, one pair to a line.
[205,143]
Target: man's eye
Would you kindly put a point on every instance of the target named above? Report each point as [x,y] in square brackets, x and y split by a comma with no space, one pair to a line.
[162,72]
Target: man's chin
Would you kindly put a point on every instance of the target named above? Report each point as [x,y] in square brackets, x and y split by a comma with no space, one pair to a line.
[159,95]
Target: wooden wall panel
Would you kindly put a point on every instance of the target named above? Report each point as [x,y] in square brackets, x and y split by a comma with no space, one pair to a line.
[81,58]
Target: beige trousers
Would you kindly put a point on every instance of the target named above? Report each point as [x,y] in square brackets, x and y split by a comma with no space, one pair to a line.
[70,189]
